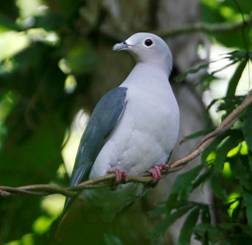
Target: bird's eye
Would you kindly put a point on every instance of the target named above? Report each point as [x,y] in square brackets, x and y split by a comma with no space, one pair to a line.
[148,42]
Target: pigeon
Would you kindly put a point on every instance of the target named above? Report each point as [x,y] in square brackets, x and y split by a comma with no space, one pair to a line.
[132,130]
[135,126]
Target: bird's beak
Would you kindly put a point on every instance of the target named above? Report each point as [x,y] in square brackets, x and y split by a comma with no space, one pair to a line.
[120,46]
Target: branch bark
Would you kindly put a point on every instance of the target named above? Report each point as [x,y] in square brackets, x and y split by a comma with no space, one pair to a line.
[109,179]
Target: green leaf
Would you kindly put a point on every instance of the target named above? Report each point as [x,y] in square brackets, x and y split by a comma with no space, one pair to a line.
[13,43]
[183,182]
[233,204]
[236,78]
[182,186]
[187,229]
[222,150]
[221,153]
[209,154]
[202,178]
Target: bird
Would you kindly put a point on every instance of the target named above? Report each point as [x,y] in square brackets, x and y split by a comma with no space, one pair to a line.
[134,127]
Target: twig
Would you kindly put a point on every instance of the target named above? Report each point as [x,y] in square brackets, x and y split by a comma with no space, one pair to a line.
[48,189]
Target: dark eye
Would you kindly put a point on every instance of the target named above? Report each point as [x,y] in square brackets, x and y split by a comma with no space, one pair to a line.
[148,42]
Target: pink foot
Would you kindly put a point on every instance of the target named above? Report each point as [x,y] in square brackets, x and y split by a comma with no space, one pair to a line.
[155,171]
[120,175]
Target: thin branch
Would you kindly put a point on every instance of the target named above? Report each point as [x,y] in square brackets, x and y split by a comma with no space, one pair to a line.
[207,27]
[109,179]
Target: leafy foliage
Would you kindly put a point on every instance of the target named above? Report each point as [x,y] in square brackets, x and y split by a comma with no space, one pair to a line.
[39,53]
[229,11]
[226,164]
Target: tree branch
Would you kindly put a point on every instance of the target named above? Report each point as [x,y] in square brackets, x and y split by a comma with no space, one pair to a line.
[109,179]
[207,27]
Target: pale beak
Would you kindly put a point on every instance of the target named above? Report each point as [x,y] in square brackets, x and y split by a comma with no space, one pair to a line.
[120,46]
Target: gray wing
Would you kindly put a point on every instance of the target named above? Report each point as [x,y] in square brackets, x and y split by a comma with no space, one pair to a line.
[103,120]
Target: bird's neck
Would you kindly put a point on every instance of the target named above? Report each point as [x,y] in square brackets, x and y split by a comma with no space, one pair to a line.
[147,72]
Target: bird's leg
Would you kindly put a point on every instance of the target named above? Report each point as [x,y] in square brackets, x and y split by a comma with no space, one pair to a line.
[120,175]
[155,171]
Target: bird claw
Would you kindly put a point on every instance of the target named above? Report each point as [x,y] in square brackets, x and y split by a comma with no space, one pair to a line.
[155,171]
[120,175]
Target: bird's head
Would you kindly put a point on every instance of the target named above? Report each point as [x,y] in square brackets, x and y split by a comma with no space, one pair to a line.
[147,48]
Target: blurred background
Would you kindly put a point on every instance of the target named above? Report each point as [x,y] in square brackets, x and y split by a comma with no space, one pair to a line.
[56,62]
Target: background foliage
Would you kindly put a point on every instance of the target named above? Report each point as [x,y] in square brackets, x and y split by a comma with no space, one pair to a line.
[47,61]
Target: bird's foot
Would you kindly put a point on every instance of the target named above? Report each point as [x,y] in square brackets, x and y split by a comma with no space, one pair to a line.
[120,175]
[155,171]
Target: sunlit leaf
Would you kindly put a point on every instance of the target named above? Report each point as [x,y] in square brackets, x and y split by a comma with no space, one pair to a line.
[233,201]
[70,84]
[227,172]
[211,157]
[13,42]
[244,148]
[28,8]
[222,151]
[25,240]
[234,151]
[41,35]
[42,224]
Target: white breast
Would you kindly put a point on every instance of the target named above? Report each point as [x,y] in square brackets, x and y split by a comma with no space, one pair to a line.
[147,131]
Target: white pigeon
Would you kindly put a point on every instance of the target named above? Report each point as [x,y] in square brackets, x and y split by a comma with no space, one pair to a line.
[133,129]
[135,126]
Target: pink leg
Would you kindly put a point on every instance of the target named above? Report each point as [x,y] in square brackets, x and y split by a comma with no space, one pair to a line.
[155,171]
[120,175]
